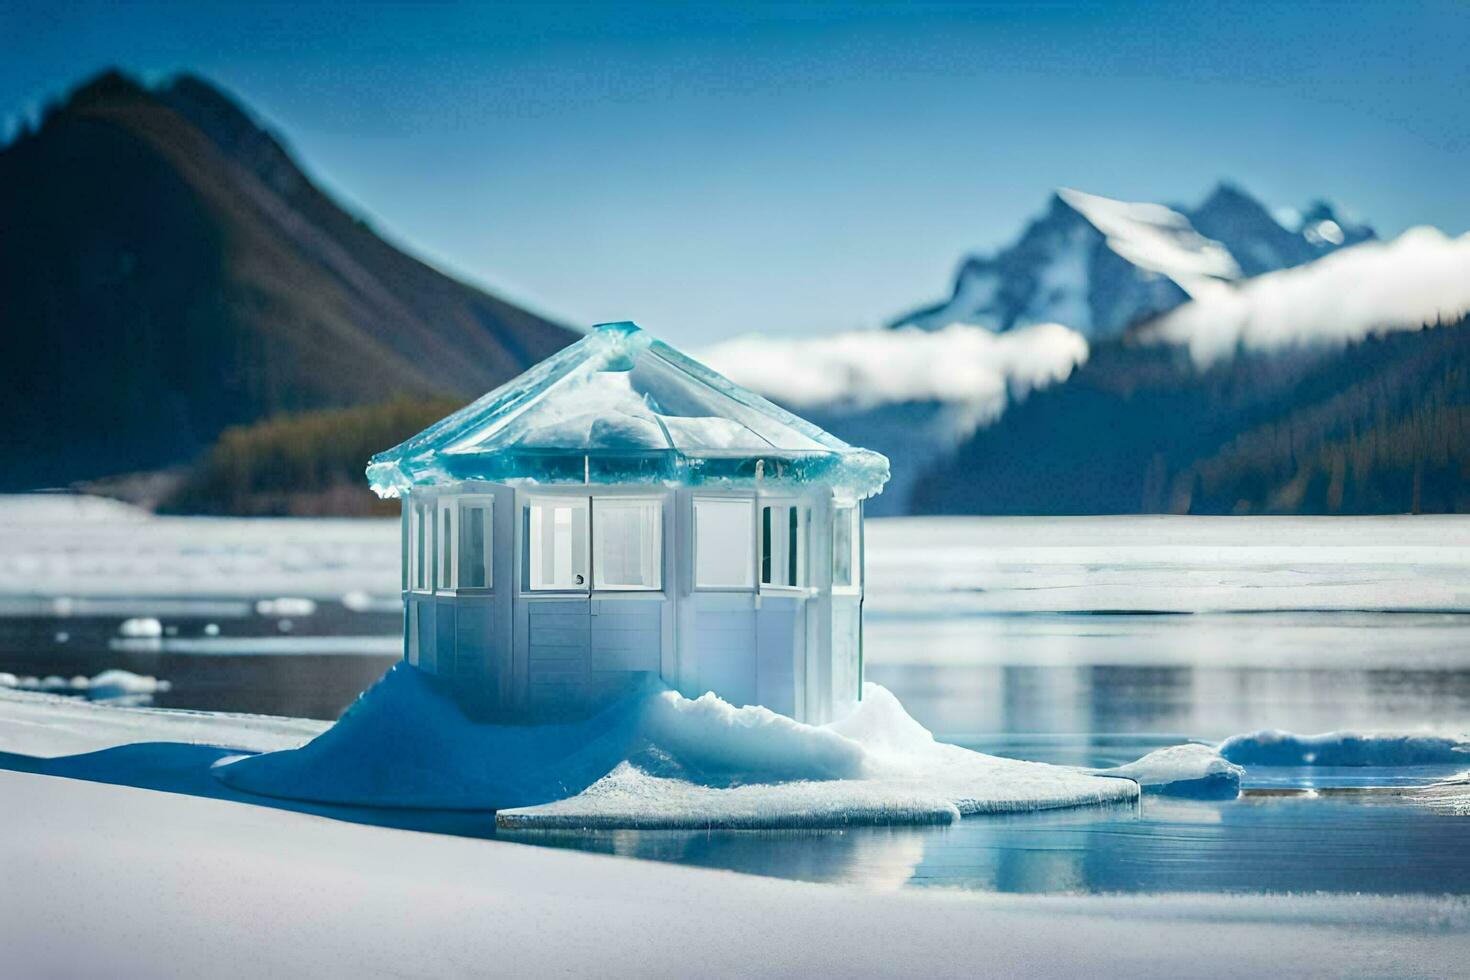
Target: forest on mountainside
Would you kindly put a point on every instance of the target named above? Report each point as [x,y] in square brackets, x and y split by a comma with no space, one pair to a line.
[1381,426]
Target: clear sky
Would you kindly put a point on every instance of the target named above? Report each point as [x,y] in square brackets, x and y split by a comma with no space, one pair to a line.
[712,170]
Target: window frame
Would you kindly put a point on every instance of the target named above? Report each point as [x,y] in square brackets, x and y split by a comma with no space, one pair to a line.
[463,504]
[446,543]
[614,500]
[753,541]
[855,557]
[586,495]
[802,543]
[523,521]
[422,554]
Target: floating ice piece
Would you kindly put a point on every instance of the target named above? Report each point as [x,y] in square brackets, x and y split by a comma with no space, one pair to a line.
[140,628]
[106,686]
[123,683]
[1277,748]
[621,407]
[286,606]
[1191,770]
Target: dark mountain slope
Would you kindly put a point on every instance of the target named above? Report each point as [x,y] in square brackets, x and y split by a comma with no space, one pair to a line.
[1382,426]
[168,271]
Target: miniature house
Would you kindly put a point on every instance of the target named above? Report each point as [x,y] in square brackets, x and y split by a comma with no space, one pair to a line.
[620,513]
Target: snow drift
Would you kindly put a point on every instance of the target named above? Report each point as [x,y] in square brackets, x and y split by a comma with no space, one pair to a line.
[1278,748]
[656,759]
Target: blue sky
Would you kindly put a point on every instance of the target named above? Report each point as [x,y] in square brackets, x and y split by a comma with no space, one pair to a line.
[713,170]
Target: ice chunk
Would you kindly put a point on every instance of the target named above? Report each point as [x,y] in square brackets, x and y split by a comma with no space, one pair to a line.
[642,412]
[1278,748]
[1191,770]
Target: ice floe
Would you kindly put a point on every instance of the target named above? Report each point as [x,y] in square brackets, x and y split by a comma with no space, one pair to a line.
[1192,770]
[109,685]
[657,759]
[1277,748]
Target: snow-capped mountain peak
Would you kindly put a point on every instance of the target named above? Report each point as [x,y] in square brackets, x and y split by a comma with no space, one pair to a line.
[1100,265]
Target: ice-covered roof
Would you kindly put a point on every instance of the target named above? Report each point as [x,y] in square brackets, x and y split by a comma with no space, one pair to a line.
[621,407]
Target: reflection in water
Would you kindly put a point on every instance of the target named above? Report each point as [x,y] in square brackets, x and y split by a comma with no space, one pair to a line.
[1093,690]
[882,858]
[1207,700]
[1353,842]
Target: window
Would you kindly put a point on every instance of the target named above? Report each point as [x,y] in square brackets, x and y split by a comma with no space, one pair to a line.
[556,546]
[846,566]
[420,545]
[783,545]
[724,534]
[474,559]
[627,533]
[446,543]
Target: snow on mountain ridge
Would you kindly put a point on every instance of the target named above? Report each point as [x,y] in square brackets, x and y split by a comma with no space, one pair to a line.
[1155,238]
[1100,265]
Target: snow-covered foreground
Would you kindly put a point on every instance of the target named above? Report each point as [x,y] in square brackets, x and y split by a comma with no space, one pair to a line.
[107,880]
[126,881]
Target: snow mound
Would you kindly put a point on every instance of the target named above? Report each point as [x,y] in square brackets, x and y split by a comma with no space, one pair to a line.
[656,759]
[1278,748]
[1191,770]
[406,742]
[892,771]
[715,738]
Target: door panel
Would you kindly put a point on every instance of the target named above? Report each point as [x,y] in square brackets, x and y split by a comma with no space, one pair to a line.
[558,652]
[724,636]
[780,645]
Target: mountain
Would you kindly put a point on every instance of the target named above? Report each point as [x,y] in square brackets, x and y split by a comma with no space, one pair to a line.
[168,270]
[1101,266]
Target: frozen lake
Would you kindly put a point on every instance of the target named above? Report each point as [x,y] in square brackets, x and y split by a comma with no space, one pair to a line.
[1083,641]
